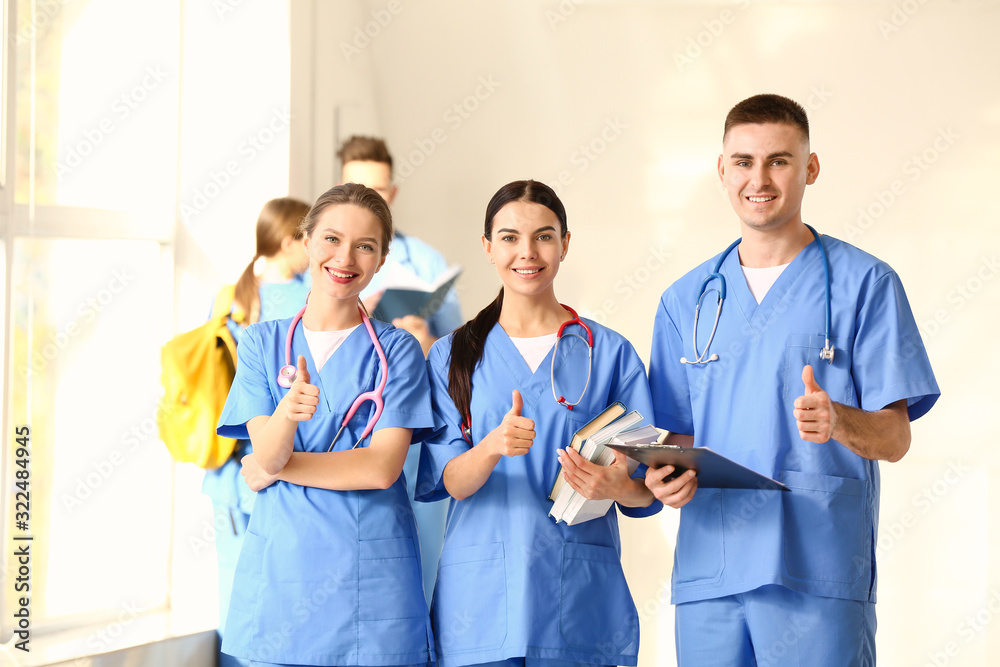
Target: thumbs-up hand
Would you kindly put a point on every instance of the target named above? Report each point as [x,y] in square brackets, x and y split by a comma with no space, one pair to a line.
[815,415]
[302,398]
[515,434]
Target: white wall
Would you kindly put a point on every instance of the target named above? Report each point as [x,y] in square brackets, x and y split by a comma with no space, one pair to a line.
[904,101]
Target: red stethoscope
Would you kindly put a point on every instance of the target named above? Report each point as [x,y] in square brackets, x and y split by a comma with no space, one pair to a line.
[286,376]
[561,400]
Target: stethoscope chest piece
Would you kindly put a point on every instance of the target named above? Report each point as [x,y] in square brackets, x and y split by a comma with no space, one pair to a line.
[286,376]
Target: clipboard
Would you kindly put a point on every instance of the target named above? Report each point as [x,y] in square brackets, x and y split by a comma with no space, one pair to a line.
[714,470]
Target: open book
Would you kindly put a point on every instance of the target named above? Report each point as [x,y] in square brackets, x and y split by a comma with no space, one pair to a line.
[591,442]
[405,293]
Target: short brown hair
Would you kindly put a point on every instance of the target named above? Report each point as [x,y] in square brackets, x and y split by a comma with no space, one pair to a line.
[364,149]
[767,108]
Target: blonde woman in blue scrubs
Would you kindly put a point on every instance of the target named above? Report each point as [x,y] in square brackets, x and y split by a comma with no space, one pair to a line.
[329,573]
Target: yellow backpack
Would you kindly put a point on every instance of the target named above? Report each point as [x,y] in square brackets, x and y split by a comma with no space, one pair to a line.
[198,368]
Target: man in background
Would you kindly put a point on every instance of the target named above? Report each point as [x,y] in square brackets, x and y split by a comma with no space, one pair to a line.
[366,160]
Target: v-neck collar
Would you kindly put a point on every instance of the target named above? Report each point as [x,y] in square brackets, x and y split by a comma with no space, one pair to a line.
[531,385]
[758,315]
[331,383]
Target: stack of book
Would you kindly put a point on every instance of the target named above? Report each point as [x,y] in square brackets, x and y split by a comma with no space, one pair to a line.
[591,442]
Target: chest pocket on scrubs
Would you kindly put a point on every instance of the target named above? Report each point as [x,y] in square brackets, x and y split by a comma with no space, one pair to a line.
[835,379]
[468,578]
[596,612]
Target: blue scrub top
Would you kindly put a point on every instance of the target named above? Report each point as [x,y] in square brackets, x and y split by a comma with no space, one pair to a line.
[428,264]
[512,582]
[820,537]
[330,577]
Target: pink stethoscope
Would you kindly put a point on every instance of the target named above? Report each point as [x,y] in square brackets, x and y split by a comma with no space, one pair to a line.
[286,376]
[561,400]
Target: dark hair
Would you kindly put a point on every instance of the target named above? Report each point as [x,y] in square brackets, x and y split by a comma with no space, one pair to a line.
[364,149]
[470,338]
[358,195]
[767,109]
[279,218]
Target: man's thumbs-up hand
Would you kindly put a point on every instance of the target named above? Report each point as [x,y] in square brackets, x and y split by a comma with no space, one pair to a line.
[815,415]
[515,434]
[302,398]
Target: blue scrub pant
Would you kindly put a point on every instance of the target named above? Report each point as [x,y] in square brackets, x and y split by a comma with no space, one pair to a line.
[535,662]
[254,663]
[772,626]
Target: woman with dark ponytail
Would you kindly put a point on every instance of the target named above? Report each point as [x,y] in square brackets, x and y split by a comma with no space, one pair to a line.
[273,286]
[514,587]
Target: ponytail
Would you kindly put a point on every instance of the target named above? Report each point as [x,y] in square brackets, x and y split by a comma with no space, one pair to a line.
[467,347]
[247,299]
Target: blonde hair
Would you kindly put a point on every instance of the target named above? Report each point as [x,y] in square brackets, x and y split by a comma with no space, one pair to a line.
[278,219]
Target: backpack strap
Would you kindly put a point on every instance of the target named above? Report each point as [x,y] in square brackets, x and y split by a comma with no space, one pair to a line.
[224,301]
[222,308]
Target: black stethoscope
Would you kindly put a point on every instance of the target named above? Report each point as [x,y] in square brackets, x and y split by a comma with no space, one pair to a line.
[700,357]
[466,425]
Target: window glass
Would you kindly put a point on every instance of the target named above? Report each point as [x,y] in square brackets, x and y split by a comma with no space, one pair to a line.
[98,104]
[86,381]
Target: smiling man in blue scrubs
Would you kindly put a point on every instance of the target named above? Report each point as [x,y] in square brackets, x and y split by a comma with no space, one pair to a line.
[768,577]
